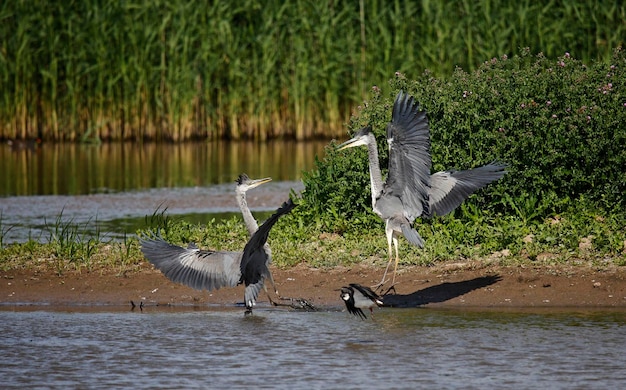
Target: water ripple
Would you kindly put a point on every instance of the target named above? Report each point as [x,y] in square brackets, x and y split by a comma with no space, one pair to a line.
[282,349]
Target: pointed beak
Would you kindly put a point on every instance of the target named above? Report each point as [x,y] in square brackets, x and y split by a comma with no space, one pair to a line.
[258,182]
[348,144]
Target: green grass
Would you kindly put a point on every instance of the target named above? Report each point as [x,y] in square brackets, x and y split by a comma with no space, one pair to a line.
[68,245]
[175,70]
[576,237]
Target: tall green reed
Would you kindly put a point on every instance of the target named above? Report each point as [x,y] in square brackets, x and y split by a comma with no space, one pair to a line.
[177,70]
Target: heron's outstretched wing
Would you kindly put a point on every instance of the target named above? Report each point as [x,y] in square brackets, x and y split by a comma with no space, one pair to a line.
[254,259]
[193,267]
[409,156]
[448,189]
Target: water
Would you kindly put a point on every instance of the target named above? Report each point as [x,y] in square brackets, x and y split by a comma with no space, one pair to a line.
[107,190]
[73,169]
[114,215]
[399,348]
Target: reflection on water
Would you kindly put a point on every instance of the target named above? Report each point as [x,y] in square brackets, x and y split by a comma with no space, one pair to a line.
[110,188]
[71,169]
[400,348]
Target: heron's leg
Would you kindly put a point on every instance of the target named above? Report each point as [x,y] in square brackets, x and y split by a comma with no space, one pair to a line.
[384,279]
[271,279]
[296,303]
[395,268]
[394,239]
[268,293]
[390,239]
[395,243]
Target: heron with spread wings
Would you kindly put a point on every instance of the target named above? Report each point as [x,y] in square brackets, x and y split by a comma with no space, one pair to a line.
[210,270]
[411,191]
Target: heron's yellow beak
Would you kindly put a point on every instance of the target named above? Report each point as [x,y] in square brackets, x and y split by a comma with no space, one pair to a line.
[258,182]
[348,144]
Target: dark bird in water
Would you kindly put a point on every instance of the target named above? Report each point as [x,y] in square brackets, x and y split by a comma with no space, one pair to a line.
[357,298]
[211,270]
[411,191]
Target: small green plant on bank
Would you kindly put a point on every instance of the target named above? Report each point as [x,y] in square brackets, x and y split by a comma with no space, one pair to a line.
[3,231]
[70,247]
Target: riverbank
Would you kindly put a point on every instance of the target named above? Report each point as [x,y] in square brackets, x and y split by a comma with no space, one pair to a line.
[445,285]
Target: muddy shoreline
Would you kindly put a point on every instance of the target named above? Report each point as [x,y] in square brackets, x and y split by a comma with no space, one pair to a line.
[446,285]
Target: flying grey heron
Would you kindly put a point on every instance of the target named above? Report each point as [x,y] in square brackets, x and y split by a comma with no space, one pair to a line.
[410,190]
[211,270]
[357,298]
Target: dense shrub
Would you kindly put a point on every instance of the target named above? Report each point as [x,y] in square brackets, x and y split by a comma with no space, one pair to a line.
[558,123]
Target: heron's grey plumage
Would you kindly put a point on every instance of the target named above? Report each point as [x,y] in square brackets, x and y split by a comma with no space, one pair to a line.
[254,267]
[409,156]
[211,270]
[244,183]
[410,190]
[193,267]
[448,189]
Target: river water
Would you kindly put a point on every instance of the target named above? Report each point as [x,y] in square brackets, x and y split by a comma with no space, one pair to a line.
[220,348]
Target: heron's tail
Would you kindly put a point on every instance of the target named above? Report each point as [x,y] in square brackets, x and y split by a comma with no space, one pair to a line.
[412,235]
[251,293]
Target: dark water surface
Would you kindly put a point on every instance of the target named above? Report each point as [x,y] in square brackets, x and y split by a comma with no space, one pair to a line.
[110,188]
[71,169]
[399,349]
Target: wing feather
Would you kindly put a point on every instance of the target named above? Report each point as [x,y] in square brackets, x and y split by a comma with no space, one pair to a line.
[448,189]
[409,156]
[193,267]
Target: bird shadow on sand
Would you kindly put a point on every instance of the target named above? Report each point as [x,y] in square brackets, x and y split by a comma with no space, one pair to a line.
[439,293]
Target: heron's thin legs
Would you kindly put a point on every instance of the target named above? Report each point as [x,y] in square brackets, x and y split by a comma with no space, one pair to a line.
[390,255]
[268,293]
[393,281]
[271,279]
[395,268]
[384,279]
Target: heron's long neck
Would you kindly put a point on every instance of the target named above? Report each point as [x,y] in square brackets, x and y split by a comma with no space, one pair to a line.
[376,178]
[248,219]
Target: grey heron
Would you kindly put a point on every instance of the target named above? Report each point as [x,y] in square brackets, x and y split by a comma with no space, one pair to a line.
[210,270]
[255,260]
[411,191]
[357,298]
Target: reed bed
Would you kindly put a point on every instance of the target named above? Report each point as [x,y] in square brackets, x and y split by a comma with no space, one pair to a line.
[178,70]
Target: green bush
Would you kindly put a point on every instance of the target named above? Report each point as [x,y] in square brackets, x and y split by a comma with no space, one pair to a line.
[557,123]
